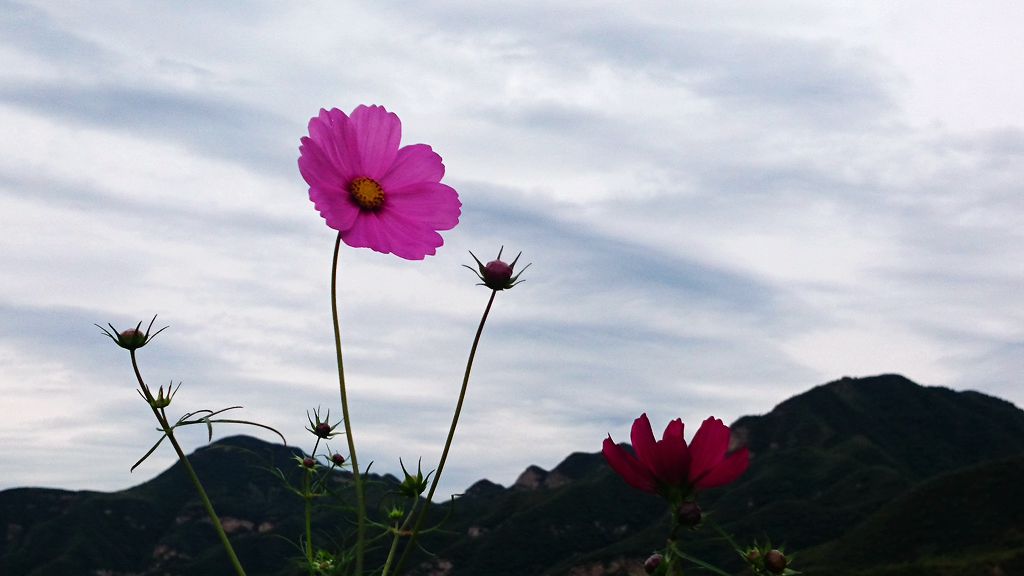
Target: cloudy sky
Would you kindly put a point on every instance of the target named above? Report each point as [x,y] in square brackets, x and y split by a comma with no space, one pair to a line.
[725,204]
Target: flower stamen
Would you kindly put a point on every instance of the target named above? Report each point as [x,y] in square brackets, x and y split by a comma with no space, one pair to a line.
[367,193]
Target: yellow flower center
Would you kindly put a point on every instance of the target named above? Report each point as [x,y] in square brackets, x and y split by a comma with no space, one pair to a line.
[367,193]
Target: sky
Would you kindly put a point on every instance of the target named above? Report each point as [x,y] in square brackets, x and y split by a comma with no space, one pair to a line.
[724,204]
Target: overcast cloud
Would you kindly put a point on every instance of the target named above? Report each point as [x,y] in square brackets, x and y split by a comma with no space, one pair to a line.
[724,204]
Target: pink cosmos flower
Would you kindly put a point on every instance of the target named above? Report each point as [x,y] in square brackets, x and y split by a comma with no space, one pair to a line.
[375,194]
[669,466]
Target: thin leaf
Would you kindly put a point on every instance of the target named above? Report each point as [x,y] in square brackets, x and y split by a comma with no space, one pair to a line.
[148,453]
[279,435]
[698,561]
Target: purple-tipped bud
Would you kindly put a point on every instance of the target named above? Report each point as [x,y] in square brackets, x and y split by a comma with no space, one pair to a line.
[775,562]
[689,514]
[652,563]
[497,274]
[308,462]
[753,555]
[321,428]
[132,338]
[337,459]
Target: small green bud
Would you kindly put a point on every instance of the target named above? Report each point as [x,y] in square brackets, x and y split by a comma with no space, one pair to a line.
[413,486]
[396,513]
[162,401]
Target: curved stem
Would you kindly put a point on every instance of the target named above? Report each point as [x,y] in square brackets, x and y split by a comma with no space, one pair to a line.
[451,435]
[356,479]
[207,505]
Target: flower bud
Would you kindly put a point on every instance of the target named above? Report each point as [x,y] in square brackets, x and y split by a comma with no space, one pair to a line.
[497,274]
[337,459]
[775,562]
[132,338]
[689,514]
[308,462]
[162,401]
[413,486]
[652,563]
[321,428]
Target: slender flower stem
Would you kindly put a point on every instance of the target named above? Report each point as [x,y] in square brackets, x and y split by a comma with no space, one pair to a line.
[169,431]
[398,536]
[448,443]
[394,547]
[356,479]
[308,497]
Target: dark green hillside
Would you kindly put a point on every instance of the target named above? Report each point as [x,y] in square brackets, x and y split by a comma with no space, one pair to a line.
[971,517]
[861,476]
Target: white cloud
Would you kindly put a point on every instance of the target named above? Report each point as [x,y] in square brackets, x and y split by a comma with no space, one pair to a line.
[725,204]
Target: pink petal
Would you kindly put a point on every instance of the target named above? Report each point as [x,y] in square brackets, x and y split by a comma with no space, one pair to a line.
[409,239]
[366,233]
[632,471]
[376,134]
[335,206]
[431,204]
[642,438]
[727,471]
[316,168]
[413,165]
[673,458]
[708,447]
[390,233]
[328,131]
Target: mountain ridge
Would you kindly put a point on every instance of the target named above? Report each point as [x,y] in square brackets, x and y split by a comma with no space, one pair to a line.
[868,452]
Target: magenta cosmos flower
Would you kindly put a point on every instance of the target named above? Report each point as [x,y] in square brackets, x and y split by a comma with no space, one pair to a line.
[670,467]
[375,194]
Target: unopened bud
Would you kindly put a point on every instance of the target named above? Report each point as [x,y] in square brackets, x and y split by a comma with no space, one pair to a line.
[775,562]
[131,338]
[689,514]
[337,459]
[308,462]
[497,274]
[652,563]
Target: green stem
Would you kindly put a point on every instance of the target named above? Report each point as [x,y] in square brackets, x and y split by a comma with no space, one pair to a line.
[391,552]
[398,535]
[308,497]
[356,479]
[169,431]
[451,435]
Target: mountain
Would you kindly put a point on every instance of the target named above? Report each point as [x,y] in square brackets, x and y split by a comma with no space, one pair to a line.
[859,476]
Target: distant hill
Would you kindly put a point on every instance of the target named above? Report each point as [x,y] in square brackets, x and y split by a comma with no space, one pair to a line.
[859,476]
